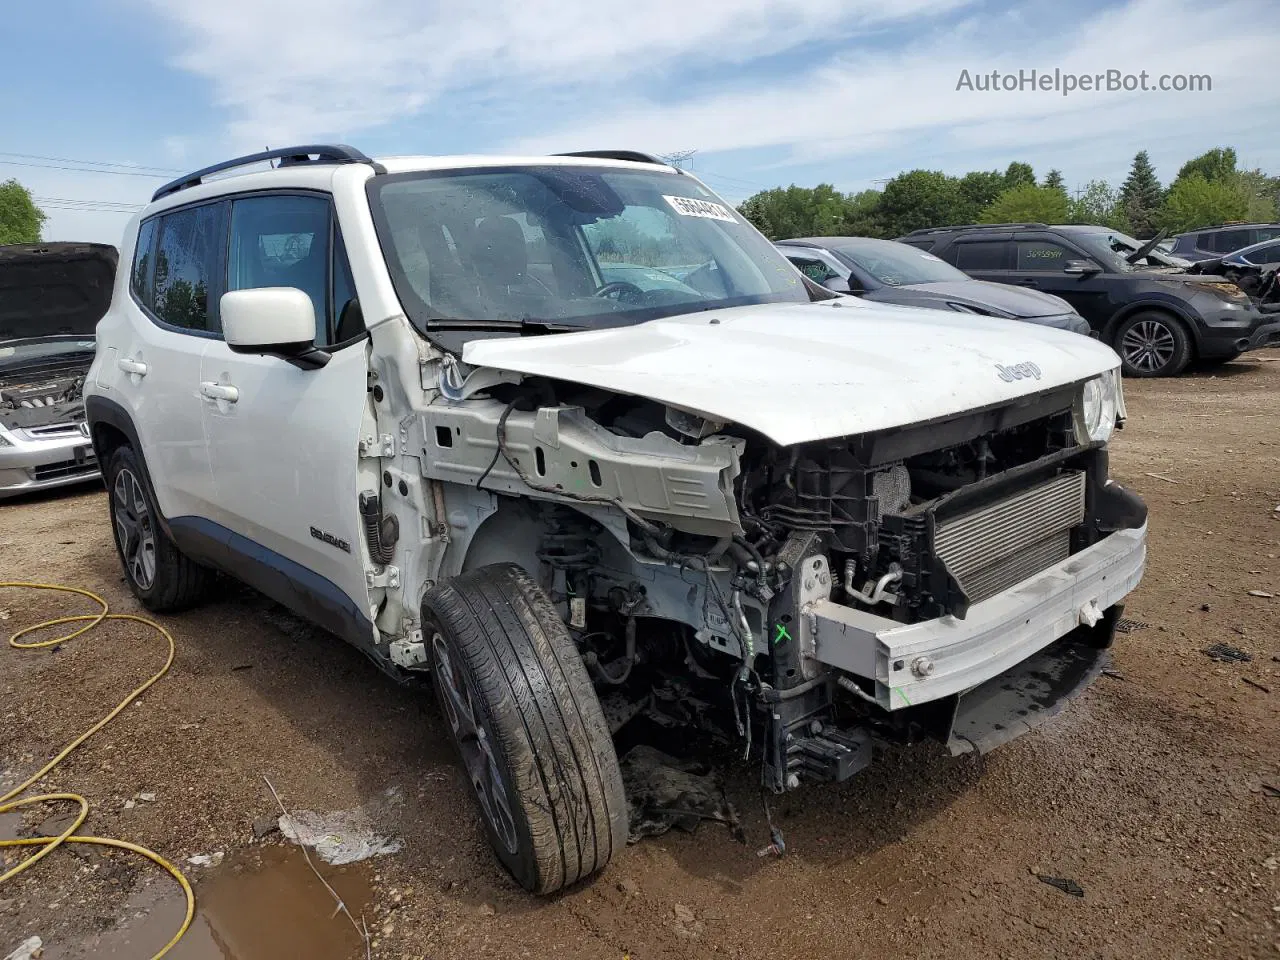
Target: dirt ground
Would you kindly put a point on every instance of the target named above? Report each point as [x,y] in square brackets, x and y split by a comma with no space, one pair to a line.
[1157,792]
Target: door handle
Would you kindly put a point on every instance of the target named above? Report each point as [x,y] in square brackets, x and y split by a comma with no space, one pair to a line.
[219,391]
[136,367]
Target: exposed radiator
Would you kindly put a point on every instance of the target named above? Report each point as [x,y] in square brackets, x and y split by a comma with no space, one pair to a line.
[992,548]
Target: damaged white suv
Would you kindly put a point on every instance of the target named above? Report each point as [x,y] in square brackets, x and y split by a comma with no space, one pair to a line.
[572,438]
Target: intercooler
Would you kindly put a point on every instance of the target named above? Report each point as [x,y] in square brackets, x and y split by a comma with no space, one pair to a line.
[992,548]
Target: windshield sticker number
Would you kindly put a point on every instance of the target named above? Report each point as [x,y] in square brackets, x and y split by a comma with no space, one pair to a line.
[689,207]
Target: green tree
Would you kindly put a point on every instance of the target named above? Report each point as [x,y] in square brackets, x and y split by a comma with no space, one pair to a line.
[20,218]
[1053,181]
[979,189]
[1195,201]
[1098,204]
[862,215]
[1140,196]
[1019,174]
[921,198]
[1259,192]
[821,211]
[1027,203]
[1212,165]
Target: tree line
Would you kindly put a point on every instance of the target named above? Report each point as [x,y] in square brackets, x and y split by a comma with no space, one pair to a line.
[1209,189]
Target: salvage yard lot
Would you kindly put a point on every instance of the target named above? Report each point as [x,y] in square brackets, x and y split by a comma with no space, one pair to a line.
[1158,792]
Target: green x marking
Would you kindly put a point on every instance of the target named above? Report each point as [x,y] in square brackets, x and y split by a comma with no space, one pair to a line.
[780,634]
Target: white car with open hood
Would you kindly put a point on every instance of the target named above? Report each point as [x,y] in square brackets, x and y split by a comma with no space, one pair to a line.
[568,436]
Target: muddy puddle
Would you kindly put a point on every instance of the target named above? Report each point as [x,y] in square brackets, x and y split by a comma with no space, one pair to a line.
[10,825]
[264,905]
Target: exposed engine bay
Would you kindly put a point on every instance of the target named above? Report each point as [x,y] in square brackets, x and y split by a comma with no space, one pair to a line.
[42,397]
[685,554]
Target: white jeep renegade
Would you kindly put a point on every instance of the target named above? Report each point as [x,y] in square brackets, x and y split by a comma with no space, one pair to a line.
[569,436]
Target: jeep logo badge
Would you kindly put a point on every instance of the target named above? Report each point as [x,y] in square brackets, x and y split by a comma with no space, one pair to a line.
[1019,371]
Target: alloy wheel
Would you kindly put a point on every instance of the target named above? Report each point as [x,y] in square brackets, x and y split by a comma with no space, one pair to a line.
[1148,345]
[474,744]
[135,529]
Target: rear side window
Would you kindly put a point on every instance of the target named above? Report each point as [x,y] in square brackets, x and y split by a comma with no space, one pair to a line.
[1225,241]
[144,263]
[1041,255]
[815,270]
[982,255]
[187,257]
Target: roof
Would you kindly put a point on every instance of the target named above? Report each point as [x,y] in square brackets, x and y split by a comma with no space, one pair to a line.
[284,161]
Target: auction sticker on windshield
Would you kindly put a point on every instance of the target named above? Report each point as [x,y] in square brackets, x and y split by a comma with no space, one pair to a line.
[689,207]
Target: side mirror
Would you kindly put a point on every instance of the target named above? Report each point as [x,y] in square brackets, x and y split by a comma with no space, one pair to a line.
[1081,268]
[276,321]
[842,285]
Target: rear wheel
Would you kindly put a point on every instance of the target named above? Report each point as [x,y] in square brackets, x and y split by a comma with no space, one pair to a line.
[159,574]
[1153,344]
[528,726]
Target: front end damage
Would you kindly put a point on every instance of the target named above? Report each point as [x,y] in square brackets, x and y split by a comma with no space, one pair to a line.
[957,580]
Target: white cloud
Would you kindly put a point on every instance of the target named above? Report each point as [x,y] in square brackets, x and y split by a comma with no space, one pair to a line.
[297,69]
[862,102]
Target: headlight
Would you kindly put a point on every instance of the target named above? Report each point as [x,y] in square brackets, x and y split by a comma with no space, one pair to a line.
[1097,407]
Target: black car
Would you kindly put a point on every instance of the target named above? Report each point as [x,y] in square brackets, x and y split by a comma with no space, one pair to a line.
[890,272]
[1209,243]
[1157,316]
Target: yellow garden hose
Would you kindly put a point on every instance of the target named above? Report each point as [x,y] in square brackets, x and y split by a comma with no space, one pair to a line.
[9,801]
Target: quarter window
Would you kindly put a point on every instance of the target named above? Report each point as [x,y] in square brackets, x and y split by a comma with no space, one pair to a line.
[1041,255]
[143,262]
[186,263]
[981,255]
[1265,255]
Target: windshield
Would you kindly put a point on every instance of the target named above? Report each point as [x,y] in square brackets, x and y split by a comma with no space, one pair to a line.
[897,264]
[569,246]
[1111,248]
[22,352]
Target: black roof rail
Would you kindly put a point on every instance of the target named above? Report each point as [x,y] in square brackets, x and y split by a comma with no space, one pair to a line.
[632,155]
[979,226]
[288,157]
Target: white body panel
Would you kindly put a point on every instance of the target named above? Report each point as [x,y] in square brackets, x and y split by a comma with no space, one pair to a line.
[806,372]
[284,455]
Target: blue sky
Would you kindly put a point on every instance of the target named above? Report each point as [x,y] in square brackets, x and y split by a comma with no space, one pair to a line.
[768,92]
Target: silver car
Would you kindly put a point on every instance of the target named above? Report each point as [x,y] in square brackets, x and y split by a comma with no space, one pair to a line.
[51,298]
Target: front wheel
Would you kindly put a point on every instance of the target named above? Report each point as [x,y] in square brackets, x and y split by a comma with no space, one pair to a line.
[528,726]
[1153,344]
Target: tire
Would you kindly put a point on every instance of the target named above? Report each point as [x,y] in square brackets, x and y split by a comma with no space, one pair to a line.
[528,726]
[162,578]
[1152,344]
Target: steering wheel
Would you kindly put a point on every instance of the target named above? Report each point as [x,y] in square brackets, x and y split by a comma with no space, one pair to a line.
[620,290]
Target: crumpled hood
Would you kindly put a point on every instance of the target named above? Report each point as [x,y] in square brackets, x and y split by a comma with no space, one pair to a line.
[53,289]
[1002,297]
[802,372]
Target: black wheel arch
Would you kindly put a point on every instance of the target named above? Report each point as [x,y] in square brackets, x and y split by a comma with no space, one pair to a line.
[111,427]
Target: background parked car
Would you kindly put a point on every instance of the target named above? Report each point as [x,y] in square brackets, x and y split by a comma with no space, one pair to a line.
[1211,242]
[891,272]
[51,299]
[1156,315]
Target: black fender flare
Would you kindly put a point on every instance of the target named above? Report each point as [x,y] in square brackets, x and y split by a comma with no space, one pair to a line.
[102,412]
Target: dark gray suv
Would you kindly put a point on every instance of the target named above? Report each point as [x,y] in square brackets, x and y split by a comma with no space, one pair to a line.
[1209,243]
[1157,316]
[891,272]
